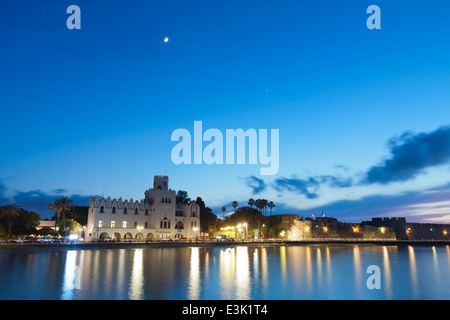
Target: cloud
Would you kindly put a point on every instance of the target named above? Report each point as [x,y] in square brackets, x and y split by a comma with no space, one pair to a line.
[38,200]
[299,186]
[417,206]
[411,154]
[256,184]
[310,186]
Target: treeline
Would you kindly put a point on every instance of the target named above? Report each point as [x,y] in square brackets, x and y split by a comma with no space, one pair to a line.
[258,221]
[18,222]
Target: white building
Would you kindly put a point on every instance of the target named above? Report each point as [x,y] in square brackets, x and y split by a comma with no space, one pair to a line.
[155,217]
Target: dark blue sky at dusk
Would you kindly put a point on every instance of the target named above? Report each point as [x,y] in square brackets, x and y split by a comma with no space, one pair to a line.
[363,114]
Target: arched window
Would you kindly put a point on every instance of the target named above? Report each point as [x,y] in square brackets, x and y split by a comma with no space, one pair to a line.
[102,209]
[136,211]
[113,209]
[179,225]
[125,210]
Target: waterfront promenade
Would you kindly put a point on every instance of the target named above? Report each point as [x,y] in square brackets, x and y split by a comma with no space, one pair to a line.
[11,247]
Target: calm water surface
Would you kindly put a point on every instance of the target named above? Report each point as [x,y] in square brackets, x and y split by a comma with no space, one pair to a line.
[280,273]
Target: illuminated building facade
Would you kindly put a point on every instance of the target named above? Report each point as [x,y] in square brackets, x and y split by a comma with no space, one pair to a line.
[157,216]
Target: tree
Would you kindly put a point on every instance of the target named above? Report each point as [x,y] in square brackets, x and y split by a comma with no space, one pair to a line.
[271,205]
[25,222]
[73,226]
[234,204]
[259,204]
[251,202]
[252,217]
[66,205]
[79,214]
[208,219]
[223,212]
[10,210]
[55,205]
[182,198]
[264,205]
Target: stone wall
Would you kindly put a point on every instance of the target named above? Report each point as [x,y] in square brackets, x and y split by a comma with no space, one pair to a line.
[331,228]
[427,231]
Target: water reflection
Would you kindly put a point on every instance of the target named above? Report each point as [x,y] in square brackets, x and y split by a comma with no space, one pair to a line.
[194,275]
[288,272]
[413,271]
[357,267]
[387,273]
[70,275]
[235,272]
[242,273]
[137,277]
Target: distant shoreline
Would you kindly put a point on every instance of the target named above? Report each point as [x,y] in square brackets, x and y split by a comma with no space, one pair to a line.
[209,244]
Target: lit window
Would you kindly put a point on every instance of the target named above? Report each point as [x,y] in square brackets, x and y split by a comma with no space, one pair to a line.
[113,224]
[124,224]
[100,224]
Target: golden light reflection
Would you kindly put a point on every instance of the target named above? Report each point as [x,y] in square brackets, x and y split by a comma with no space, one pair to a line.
[387,272]
[357,267]
[242,274]
[319,266]
[413,271]
[328,261]
[264,268]
[448,254]
[137,277]
[69,275]
[283,264]
[227,262]
[309,267]
[435,264]
[194,274]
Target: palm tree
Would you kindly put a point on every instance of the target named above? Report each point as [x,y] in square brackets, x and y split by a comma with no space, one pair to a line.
[271,205]
[10,210]
[55,206]
[258,204]
[234,204]
[66,205]
[251,202]
[264,205]
[223,213]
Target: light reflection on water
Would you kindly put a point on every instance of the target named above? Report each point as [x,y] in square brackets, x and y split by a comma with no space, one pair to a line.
[241,272]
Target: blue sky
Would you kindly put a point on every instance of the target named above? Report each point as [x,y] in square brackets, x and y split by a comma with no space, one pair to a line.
[91,111]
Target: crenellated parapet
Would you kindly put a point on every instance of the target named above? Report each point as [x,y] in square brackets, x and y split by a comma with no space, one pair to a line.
[108,203]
